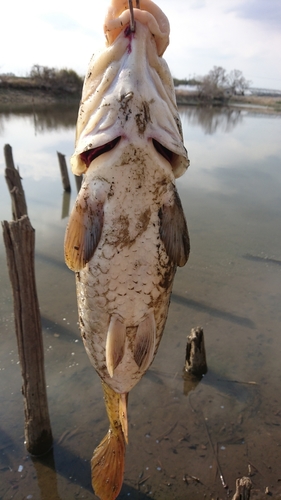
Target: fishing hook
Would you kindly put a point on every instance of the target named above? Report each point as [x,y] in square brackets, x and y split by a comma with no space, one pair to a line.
[132,18]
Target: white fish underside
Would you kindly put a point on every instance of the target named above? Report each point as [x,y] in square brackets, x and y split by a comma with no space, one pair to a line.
[127,232]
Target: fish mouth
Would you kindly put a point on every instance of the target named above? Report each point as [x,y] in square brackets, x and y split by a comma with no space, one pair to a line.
[165,152]
[91,154]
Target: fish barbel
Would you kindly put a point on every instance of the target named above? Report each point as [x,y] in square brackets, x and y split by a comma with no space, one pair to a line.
[127,231]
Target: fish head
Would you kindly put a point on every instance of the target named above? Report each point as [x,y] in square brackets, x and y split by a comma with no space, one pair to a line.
[128,93]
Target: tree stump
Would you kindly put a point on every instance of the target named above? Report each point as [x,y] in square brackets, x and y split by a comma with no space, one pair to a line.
[195,359]
[243,489]
[19,239]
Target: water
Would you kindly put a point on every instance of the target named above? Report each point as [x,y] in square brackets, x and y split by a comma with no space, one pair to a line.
[184,438]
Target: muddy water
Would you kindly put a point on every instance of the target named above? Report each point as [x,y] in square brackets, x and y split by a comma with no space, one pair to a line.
[186,440]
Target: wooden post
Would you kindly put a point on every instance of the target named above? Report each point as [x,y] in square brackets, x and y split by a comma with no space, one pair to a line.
[13,180]
[19,239]
[195,359]
[64,172]
[243,489]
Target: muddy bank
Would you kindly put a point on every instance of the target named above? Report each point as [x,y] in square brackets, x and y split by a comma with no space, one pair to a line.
[28,97]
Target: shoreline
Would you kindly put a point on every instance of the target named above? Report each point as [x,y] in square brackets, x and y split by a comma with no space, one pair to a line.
[261,103]
[12,98]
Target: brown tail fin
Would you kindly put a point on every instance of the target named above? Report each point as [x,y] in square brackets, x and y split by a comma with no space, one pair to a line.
[109,457]
[108,465]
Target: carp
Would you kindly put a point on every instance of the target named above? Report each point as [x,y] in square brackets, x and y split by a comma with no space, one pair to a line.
[127,232]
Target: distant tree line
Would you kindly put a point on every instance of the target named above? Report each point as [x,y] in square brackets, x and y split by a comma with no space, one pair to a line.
[44,78]
[60,79]
[218,85]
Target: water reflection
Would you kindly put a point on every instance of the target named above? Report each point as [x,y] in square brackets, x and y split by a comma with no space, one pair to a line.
[46,477]
[44,118]
[54,116]
[190,382]
[65,204]
[212,118]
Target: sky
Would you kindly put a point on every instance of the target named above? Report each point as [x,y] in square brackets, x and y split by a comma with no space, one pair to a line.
[234,34]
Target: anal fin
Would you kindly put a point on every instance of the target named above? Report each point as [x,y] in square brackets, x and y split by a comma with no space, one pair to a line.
[145,342]
[115,344]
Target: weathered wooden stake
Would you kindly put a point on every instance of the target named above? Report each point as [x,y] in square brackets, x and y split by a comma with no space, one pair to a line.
[195,358]
[243,489]
[13,180]
[19,239]
[64,172]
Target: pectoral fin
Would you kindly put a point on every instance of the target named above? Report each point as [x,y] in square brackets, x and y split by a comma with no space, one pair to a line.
[173,230]
[115,344]
[145,342]
[83,231]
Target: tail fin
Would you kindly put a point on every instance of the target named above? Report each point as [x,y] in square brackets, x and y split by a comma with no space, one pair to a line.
[109,456]
[108,465]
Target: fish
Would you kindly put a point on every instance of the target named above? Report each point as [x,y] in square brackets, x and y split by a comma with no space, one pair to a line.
[127,232]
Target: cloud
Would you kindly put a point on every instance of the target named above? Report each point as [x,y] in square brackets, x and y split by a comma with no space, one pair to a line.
[266,12]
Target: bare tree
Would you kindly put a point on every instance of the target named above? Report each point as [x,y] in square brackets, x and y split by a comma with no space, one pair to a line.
[217,85]
[237,82]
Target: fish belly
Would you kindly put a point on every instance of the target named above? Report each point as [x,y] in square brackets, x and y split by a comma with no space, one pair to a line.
[129,278]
